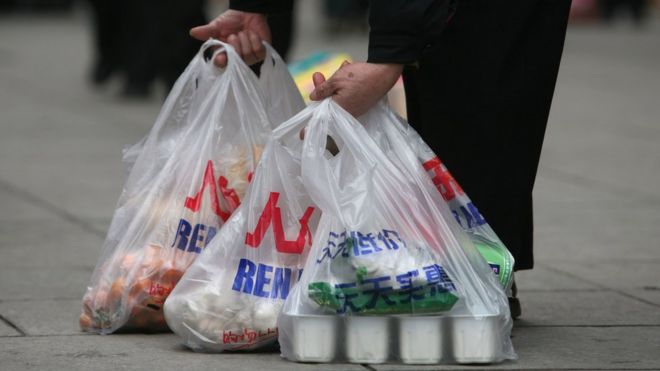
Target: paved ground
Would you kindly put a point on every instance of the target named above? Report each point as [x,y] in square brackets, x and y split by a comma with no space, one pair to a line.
[593,302]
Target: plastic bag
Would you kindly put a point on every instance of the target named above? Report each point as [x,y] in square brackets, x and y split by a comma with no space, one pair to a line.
[389,265]
[190,174]
[464,211]
[230,298]
[282,100]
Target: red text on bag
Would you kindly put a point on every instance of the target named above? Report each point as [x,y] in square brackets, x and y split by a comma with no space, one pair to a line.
[272,215]
[446,184]
[228,194]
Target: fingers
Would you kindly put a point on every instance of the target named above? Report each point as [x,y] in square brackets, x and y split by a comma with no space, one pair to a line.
[318,79]
[246,48]
[220,60]
[324,89]
[203,33]
[235,42]
[258,48]
[248,45]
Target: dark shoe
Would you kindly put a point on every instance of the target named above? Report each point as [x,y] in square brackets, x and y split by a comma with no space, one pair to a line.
[514,303]
[102,72]
[136,91]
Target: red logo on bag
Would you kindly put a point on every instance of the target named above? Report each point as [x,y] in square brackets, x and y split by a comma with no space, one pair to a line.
[444,182]
[228,194]
[272,214]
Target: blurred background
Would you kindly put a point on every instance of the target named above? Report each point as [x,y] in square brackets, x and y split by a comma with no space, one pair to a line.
[79,80]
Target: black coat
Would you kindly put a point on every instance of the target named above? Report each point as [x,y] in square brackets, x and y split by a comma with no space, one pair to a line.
[479,82]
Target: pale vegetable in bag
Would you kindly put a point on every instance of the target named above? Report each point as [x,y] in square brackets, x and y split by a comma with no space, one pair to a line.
[190,174]
[230,298]
[387,250]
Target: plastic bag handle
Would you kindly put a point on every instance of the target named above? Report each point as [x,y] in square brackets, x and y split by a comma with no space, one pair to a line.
[197,66]
[317,172]
[274,57]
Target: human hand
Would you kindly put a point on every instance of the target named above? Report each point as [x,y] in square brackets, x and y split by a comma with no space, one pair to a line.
[242,30]
[357,87]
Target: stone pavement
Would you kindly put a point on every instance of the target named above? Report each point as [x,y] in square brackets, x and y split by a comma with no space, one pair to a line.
[592,302]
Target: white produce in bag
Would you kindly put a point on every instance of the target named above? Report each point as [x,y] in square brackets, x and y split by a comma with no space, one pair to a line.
[189,176]
[229,299]
[386,243]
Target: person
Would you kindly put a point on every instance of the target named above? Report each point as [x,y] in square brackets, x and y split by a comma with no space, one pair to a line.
[479,77]
[145,40]
[638,9]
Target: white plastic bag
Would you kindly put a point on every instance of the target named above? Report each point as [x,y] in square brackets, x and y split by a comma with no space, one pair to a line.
[190,174]
[464,211]
[229,299]
[282,100]
[387,249]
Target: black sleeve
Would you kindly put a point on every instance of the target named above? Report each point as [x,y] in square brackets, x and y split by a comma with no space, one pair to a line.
[262,6]
[401,29]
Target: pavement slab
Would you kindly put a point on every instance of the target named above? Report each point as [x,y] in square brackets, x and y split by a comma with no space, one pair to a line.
[43,317]
[596,231]
[622,275]
[585,308]
[650,294]
[544,279]
[154,352]
[15,208]
[592,302]
[44,283]
[6,329]
[48,243]
[572,348]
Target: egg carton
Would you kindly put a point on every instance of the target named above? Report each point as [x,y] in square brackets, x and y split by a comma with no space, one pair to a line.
[407,339]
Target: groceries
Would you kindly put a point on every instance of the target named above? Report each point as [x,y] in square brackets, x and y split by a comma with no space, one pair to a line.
[103,307]
[230,298]
[381,274]
[463,210]
[398,339]
[134,282]
[388,258]
[468,217]
[186,179]
[338,244]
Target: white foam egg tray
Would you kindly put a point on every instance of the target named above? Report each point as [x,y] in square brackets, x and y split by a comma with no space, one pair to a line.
[407,339]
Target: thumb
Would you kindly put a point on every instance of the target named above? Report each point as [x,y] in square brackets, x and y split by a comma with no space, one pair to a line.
[203,33]
[345,63]
[323,90]
[318,79]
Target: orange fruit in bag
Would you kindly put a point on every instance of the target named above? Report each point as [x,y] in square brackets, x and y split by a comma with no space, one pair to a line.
[85,321]
[117,290]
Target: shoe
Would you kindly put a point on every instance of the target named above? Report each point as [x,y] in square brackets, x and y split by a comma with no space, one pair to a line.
[102,72]
[514,303]
[136,91]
